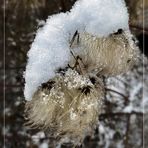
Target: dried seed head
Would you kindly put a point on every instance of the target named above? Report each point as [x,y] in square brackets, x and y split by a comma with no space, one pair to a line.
[107,56]
[69,108]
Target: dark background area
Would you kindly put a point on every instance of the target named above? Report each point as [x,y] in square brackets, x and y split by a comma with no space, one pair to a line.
[22,19]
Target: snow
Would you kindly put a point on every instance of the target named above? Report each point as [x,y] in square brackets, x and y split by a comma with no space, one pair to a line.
[101,129]
[50,49]
[36,138]
[44,145]
[132,97]
[101,17]
[136,89]
[132,85]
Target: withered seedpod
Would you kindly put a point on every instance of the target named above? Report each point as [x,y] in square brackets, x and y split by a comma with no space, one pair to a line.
[108,56]
[69,109]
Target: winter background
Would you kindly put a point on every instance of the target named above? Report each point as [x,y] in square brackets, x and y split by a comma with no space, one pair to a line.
[124,121]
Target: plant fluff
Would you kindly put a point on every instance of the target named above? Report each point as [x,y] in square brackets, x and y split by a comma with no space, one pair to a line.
[67,62]
[67,106]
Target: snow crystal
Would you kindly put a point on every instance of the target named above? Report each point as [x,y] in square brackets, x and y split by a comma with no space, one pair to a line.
[50,49]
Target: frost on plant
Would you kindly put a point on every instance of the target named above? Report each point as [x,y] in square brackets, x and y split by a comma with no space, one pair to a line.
[50,49]
[67,62]
[70,108]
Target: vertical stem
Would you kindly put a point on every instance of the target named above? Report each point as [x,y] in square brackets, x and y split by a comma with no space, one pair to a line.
[127,132]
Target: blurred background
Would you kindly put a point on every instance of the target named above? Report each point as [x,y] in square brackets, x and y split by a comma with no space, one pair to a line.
[123,121]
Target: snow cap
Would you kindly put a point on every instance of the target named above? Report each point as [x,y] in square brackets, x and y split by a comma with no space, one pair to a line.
[50,49]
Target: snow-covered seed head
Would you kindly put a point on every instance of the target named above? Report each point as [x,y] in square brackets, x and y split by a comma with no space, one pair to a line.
[107,56]
[67,106]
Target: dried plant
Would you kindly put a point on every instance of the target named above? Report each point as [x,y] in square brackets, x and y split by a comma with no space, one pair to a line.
[106,56]
[68,106]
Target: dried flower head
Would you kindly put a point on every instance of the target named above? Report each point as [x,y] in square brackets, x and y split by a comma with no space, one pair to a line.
[107,56]
[67,106]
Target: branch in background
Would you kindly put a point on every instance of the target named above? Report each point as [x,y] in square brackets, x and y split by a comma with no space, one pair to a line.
[13,68]
[124,82]
[11,86]
[142,134]
[114,91]
[120,114]
[144,30]
[126,139]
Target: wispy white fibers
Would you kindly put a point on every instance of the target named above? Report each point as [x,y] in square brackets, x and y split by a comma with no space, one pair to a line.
[50,49]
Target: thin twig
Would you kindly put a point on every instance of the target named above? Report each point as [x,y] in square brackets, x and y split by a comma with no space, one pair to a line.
[114,91]
[126,140]
[145,30]
[121,114]
[11,86]
[12,68]
[125,83]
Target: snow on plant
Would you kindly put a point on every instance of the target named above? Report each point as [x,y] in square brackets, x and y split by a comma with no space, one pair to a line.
[67,60]
[73,100]
[50,49]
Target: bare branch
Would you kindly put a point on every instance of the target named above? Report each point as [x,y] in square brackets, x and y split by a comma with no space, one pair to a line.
[114,91]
